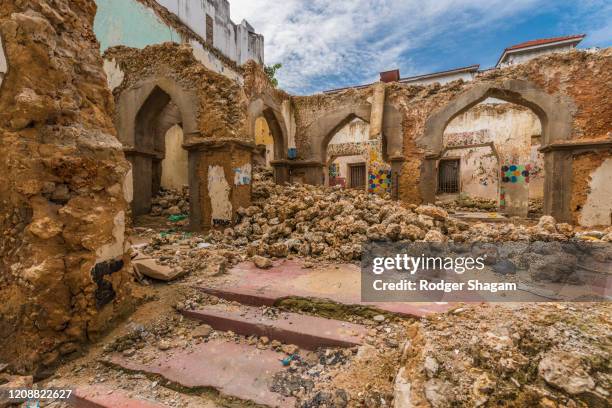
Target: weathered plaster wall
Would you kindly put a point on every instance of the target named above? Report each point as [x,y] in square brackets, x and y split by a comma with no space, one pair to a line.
[263,137]
[131,24]
[356,131]
[213,113]
[339,170]
[175,165]
[137,24]
[597,209]
[3,64]
[221,104]
[509,128]
[572,88]
[63,268]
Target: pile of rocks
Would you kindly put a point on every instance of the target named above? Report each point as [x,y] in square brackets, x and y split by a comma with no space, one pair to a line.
[467,203]
[332,223]
[171,202]
[529,354]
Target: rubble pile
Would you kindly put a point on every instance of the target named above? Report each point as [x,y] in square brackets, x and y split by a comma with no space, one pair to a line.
[536,206]
[332,223]
[528,354]
[171,202]
[467,203]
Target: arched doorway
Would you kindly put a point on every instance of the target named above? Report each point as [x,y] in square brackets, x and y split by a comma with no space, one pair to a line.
[346,155]
[268,131]
[160,163]
[490,160]
[555,120]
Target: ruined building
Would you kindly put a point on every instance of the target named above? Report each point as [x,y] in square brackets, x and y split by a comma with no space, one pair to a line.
[105,103]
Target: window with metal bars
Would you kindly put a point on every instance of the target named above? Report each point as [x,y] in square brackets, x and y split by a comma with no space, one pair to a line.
[357,175]
[448,176]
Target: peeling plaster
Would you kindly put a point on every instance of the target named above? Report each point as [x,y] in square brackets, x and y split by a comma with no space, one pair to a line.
[3,63]
[598,207]
[242,175]
[114,249]
[128,186]
[219,193]
[114,74]
[175,165]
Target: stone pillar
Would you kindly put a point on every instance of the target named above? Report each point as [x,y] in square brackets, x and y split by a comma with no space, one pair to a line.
[379,172]
[220,176]
[396,172]
[307,172]
[558,184]
[281,171]
[428,179]
[142,175]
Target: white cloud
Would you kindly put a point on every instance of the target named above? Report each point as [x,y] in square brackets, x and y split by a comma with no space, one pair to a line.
[331,41]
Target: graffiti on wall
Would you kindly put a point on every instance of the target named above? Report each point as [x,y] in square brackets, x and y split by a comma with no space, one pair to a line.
[515,173]
[242,175]
[379,172]
[334,170]
[379,181]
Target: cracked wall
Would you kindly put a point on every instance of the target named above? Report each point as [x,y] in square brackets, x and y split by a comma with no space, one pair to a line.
[569,90]
[212,111]
[63,268]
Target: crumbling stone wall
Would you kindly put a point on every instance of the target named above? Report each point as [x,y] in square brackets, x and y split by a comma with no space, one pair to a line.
[63,269]
[221,107]
[213,114]
[579,83]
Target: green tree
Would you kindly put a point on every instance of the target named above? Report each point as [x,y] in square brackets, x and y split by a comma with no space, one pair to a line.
[270,71]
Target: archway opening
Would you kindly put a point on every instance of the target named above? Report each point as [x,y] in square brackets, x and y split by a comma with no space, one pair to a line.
[346,154]
[269,141]
[265,144]
[161,177]
[490,160]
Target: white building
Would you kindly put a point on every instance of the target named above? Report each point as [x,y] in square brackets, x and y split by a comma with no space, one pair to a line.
[528,50]
[443,77]
[218,43]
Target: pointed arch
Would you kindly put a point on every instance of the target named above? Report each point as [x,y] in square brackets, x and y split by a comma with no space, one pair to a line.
[555,117]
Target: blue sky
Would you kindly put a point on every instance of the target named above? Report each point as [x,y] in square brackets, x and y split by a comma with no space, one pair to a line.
[325,44]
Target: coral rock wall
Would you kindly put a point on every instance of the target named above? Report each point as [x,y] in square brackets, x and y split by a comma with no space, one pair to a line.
[63,269]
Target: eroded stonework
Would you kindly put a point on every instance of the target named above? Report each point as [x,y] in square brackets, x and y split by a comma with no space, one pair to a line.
[63,265]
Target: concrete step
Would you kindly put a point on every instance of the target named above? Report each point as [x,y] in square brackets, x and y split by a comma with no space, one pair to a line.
[102,397]
[307,332]
[235,370]
[247,284]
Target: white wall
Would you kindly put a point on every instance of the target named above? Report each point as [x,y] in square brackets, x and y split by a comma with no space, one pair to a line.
[443,79]
[343,164]
[356,131]
[233,40]
[526,55]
